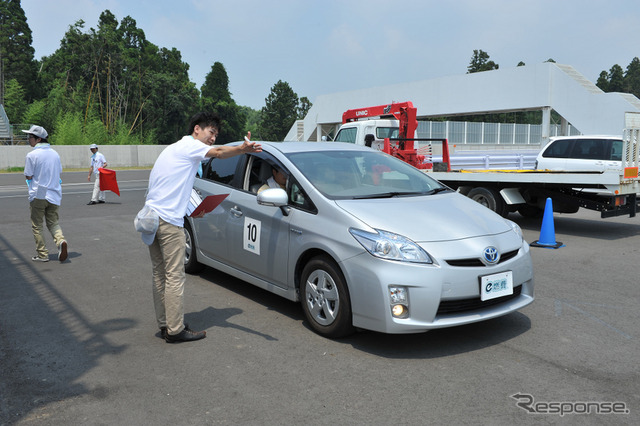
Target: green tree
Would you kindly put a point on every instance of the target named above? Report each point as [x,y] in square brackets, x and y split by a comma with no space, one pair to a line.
[252,123]
[480,62]
[616,79]
[216,98]
[35,113]
[16,52]
[216,84]
[14,101]
[632,77]
[279,113]
[304,105]
[603,81]
[115,75]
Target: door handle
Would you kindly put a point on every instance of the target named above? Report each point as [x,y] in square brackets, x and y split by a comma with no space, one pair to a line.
[235,210]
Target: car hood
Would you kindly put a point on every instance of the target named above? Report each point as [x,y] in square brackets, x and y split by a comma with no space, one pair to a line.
[430,218]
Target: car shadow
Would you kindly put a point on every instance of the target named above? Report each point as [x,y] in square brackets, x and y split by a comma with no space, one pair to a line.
[433,344]
[442,342]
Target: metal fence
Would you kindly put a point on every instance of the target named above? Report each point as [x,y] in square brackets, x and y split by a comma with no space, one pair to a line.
[465,132]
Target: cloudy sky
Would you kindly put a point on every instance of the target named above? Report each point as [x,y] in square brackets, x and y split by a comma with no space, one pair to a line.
[327,46]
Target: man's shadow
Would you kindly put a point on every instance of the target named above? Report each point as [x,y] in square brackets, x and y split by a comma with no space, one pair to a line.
[211,317]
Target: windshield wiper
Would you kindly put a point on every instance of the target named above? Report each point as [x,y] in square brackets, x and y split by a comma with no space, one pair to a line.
[437,190]
[385,195]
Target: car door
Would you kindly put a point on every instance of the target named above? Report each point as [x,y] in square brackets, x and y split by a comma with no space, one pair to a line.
[211,231]
[258,236]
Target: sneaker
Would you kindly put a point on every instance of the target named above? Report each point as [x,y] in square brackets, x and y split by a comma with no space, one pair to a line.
[101,201]
[40,259]
[62,251]
[186,335]
[90,203]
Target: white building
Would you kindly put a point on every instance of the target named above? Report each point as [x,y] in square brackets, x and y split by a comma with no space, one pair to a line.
[543,87]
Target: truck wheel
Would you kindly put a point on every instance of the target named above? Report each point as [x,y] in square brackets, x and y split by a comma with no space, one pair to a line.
[490,198]
[325,298]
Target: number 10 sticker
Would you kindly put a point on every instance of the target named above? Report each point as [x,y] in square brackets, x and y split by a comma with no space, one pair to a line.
[251,235]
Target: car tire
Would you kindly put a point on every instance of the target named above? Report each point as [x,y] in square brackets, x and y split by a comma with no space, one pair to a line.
[191,264]
[489,198]
[325,298]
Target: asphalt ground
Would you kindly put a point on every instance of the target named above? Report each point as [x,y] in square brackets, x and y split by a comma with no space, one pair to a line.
[79,343]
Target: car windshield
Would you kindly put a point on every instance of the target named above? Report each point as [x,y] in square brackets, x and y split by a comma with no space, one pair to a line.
[362,174]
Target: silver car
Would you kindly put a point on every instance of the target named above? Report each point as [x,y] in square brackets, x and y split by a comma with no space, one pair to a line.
[360,238]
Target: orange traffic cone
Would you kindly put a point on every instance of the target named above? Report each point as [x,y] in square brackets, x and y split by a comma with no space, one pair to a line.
[547,232]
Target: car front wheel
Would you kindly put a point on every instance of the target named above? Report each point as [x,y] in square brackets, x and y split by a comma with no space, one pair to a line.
[325,298]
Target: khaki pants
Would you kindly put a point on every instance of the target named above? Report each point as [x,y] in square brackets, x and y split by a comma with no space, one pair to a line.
[167,257]
[97,194]
[42,209]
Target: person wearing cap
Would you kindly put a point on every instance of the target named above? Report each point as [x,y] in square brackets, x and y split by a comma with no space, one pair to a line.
[97,162]
[170,184]
[42,169]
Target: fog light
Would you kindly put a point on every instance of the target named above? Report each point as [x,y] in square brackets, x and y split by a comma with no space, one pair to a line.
[399,311]
[399,298]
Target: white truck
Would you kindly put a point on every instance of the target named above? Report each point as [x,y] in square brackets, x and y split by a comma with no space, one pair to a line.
[612,191]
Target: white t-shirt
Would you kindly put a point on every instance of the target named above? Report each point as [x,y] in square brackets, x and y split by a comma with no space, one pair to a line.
[97,161]
[172,177]
[43,163]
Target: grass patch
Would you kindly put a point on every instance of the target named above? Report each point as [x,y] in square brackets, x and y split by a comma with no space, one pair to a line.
[13,170]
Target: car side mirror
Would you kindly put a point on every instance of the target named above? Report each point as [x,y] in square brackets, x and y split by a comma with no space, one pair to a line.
[276,197]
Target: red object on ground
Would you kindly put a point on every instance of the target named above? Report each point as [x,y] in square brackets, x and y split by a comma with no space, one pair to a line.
[108,181]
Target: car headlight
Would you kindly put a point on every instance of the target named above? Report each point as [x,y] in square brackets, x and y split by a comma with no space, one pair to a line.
[390,246]
[516,228]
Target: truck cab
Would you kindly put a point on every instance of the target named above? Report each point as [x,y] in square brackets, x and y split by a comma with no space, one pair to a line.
[356,131]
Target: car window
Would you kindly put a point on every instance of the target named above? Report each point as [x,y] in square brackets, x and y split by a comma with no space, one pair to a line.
[298,197]
[259,170]
[616,150]
[347,135]
[559,149]
[221,170]
[589,149]
[386,132]
[361,174]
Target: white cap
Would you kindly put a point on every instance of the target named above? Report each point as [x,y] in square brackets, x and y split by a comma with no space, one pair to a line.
[37,131]
[146,222]
[93,145]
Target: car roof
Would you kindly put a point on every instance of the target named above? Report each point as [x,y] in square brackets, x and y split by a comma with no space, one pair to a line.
[555,138]
[292,147]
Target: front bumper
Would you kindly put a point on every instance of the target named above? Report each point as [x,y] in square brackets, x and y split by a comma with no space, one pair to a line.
[439,295]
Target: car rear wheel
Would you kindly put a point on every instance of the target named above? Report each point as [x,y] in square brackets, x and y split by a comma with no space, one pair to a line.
[325,298]
[191,264]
